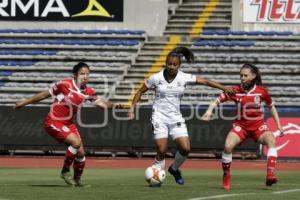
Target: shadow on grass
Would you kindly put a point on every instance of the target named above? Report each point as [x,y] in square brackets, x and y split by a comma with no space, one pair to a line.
[52,185]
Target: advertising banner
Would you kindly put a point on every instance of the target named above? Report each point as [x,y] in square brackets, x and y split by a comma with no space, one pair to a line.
[61,10]
[288,144]
[271,11]
[111,129]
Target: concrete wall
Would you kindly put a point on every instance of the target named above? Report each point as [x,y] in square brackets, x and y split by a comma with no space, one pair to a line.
[148,15]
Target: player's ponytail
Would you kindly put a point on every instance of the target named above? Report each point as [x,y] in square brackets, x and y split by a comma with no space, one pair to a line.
[257,80]
[78,66]
[182,51]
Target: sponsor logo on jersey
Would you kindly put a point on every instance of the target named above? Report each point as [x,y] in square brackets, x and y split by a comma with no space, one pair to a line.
[257,99]
[65,129]
[237,128]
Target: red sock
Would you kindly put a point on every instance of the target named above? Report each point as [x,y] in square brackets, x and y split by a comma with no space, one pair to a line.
[78,168]
[271,163]
[69,158]
[226,168]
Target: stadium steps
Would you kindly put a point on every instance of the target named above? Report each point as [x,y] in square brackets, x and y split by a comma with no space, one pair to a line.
[186,14]
[211,61]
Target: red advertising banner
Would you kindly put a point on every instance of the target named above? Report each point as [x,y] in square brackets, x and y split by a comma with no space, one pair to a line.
[288,145]
[271,11]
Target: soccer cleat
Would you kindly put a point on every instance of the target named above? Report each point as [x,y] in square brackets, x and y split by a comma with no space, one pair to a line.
[226,181]
[67,177]
[177,175]
[271,179]
[78,183]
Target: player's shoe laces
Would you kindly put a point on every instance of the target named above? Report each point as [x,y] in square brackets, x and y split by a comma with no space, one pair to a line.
[67,177]
[226,181]
[271,179]
[177,175]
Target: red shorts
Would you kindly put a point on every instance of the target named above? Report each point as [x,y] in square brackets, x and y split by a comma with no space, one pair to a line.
[253,132]
[59,130]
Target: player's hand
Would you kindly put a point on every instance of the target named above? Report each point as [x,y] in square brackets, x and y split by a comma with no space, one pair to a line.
[18,105]
[118,106]
[206,117]
[280,129]
[130,115]
[229,91]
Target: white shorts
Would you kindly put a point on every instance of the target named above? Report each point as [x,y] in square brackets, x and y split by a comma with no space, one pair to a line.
[164,129]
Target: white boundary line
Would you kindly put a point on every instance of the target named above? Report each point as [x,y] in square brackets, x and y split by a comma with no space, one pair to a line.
[286,191]
[232,195]
[220,196]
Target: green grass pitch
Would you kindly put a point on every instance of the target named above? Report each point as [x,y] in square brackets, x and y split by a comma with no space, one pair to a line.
[111,184]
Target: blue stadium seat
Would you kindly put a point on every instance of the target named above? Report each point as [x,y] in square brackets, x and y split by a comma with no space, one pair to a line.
[238,33]
[48,31]
[254,33]
[73,31]
[223,43]
[207,32]
[5,73]
[222,32]
[6,30]
[27,52]
[285,33]
[98,42]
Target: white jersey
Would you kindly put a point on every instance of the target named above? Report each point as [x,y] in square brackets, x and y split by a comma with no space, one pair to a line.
[168,95]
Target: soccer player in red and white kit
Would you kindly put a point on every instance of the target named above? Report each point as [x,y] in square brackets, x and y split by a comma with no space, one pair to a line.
[69,94]
[249,122]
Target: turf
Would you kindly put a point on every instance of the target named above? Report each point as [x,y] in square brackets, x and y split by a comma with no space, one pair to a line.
[44,184]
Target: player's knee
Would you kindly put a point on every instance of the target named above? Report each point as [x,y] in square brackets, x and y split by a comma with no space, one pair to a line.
[271,142]
[185,151]
[76,144]
[228,149]
[161,151]
[80,153]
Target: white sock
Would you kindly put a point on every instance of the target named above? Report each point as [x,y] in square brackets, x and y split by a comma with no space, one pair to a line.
[179,160]
[226,157]
[159,163]
[81,159]
[272,152]
[72,150]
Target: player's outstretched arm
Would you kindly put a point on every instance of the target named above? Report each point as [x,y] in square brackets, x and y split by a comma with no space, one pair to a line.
[107,104]
[36,98]
[275,116]
[206,116]
[136,99]
[214,84]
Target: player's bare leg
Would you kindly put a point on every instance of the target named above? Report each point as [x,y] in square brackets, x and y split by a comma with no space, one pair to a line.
[268,139]
[79,164]
[161,145]
[70,155]
[231,142]
[161,149]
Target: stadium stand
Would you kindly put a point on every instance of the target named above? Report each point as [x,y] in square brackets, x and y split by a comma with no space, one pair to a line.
[31,59]
[185,14]
[121,58]
[220,50]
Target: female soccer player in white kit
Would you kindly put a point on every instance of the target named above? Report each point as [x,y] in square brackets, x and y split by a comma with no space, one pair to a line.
[169,85]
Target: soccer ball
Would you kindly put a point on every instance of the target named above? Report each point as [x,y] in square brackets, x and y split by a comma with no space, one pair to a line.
[154,175]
